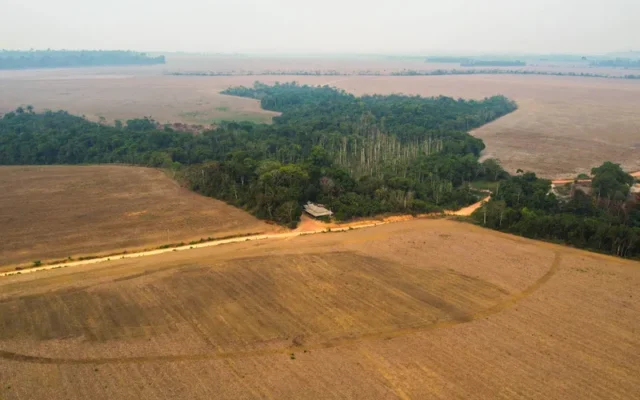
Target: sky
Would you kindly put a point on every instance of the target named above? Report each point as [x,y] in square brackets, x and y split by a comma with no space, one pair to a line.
[324,26]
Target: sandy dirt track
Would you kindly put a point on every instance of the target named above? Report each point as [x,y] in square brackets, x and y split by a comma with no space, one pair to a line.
[413,310]
[307,226]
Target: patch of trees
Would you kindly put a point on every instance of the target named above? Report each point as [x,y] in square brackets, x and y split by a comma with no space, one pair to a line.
[493,63]
[509,72]
[360,156]
[617,63]
[606,220]
[14,59]
[477,62]
[437,72]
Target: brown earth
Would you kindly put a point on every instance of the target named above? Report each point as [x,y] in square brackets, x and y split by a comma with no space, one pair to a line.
[418,309]
[564,126]
[167,99]
[54,212]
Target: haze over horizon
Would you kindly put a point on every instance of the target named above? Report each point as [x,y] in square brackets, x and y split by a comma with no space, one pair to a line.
[357,26]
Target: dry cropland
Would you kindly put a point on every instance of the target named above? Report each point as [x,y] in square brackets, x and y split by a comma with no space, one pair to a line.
[413,310]
[56,212]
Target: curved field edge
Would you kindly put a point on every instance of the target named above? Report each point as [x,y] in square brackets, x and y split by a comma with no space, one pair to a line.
[437,301]
[334,342]
[545,309]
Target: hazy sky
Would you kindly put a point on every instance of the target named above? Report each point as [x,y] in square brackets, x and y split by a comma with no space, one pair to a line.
[363,26]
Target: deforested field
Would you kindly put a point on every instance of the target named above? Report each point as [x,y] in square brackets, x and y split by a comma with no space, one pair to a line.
[412,310]
[564,126]
[55,212]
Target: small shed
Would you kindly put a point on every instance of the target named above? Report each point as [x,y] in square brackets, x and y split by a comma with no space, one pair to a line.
[317,210]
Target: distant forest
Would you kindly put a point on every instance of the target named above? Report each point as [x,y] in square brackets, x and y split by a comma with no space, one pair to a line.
[10,59]
[493,63]
[359,156]
[437,72]
[475,62]
[617,63]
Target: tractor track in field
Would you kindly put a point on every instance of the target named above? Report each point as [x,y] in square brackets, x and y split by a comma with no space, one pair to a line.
[331,343]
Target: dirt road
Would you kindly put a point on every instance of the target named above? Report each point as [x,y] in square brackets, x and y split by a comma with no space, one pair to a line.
[181,248]
[307,226]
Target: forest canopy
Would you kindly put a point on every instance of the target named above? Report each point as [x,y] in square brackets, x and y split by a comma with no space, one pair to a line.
[602,217]
[360,156]
[15,59]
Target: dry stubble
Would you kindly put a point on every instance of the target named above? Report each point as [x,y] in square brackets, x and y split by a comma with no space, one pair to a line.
[418,309]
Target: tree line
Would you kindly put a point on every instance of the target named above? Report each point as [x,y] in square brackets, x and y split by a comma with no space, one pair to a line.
[410,72]
[16,59]
[603,218]
[617,63]
[360,156]
[496,71]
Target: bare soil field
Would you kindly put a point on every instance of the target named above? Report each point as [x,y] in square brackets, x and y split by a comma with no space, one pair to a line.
[564,125]
[167,99]
[55,212]
[413,310]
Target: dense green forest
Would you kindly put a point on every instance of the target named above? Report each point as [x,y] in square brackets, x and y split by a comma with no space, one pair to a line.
[14,59]
[360,156]
[605,220]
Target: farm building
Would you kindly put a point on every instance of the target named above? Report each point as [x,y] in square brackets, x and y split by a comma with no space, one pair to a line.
[317,210]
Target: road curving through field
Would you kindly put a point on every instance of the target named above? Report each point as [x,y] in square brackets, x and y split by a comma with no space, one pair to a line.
[180,248]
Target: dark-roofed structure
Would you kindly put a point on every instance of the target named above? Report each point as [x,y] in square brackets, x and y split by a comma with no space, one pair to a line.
[317,210]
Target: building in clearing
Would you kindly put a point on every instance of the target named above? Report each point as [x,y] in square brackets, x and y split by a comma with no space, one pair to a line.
[317,210]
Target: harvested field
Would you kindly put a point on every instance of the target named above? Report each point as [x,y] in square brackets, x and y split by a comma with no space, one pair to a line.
[418,309]
[54,212]
[565,125]
[167,99]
